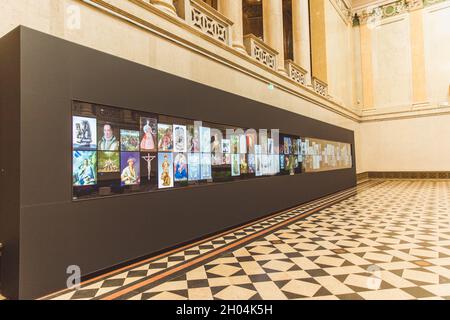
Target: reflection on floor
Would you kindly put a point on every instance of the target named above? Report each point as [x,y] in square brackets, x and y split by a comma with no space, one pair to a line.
[381,240]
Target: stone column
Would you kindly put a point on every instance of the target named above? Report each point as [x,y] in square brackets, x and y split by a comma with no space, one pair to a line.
[232,9]
[273,29]
[165,5]
[300,32]
[366,67]
[318,40]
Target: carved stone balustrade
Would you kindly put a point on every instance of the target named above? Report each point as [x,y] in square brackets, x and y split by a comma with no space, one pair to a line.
[260,51]
[295,72]
[320,87]
[207,19]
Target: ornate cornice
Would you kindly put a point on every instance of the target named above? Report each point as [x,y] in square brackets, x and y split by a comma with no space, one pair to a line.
[343,8]
[372,14]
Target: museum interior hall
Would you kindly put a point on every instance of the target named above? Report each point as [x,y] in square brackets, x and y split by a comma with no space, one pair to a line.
[224,150]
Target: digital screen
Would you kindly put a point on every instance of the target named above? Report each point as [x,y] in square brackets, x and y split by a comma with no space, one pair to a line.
[118,151]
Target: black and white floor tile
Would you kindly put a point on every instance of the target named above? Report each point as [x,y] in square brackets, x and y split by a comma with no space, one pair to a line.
[381,240]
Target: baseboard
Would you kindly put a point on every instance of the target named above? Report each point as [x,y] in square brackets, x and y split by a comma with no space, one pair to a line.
[426,175]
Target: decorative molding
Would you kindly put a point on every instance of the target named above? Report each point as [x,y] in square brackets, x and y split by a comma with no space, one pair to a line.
[295,72]
[205,18]
[373,14]
[320,87]
[343,8]
[260,51]
[425,175]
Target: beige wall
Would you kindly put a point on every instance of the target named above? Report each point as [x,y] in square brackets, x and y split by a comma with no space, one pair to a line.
[416,144]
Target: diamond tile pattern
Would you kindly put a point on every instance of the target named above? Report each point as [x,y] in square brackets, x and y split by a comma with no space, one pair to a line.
[389,240]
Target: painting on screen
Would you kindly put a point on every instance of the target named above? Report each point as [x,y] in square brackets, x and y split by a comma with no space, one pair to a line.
[243,163]
[179,138]
[130,168]
[226,146]
[205,139]
[251,141]
[193,139]
[148,168]
[165,138]
[242,144]
[165,170]
[109,137]
[129,140]
[205,167]
[194,166]
[235,165]
[287,145]
[149,132]
[234,144]
[84,133]
[258,161]
[251,163]
[108,162]
[84,170]
[180,164]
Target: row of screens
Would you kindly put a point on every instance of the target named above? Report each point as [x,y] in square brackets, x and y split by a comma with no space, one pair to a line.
[117,151]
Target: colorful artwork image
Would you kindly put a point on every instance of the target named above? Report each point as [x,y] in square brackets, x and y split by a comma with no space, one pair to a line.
[148,161]
[281,160]
[165,170]
[194,166]
[243,163]
[108,161]
[226,158]
[235,165]
[205,139]
[149,132]
[234,144]
[84,170]
[217,158]
[130,168]
[179,138]
[109,137]
[216,143]
[180,164]
[84,133]
[251,141]
[251,163]
[193,139]
[226,146]
[270,146]
[205,167]
[242,144]
[165,139]
[258,161]
[129,140]
[287,145]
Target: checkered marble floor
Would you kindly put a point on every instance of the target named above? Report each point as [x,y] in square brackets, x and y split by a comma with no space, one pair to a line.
[382,240]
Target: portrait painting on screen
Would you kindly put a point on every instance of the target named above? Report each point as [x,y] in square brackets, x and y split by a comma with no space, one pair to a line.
[149,133]
[108,137]
[165,170]
[180,164]
[193,138]
[130,168]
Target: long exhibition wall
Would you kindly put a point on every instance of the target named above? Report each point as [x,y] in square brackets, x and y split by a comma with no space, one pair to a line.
[44,230]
